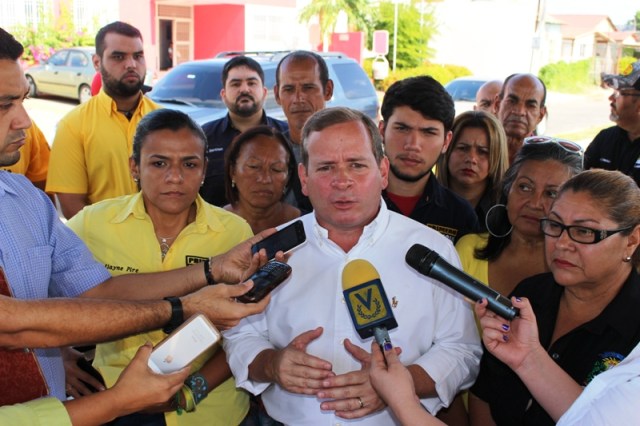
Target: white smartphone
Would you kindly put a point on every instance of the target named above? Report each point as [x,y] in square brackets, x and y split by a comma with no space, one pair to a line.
[185,344]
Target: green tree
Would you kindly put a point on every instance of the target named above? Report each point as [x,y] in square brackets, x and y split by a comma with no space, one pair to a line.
[50,34]
[415,29]
[327,12]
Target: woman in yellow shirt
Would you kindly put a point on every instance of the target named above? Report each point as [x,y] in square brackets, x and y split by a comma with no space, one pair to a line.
[166,225]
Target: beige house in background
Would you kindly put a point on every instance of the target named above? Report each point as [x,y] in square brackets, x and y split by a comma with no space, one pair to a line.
[577,37]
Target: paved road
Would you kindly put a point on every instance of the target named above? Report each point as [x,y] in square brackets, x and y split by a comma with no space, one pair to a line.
[572,113]
[567,113]
[47,111]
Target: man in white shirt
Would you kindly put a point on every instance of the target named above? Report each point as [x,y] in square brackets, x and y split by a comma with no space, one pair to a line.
[303,353]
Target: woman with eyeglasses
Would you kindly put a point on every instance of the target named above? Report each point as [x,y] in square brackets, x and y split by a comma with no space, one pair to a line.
[258,167]
[476,160]
[581,317]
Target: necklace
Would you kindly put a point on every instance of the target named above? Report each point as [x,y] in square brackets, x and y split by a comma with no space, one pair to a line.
[164,245]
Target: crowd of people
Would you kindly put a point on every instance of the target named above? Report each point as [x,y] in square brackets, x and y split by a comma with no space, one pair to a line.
[162,215]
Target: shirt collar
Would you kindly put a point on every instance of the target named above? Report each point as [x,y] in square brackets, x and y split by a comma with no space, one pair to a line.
[227,124]
[620,313]
[4,186]
[371,232]
[205,217]
[433,191]
[107,103]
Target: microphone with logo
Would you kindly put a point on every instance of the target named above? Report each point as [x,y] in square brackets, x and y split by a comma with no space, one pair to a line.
[429,263]
[367,302]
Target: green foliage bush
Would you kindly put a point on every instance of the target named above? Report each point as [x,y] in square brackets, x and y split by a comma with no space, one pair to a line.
[568,77]
[442,73]
[53,33]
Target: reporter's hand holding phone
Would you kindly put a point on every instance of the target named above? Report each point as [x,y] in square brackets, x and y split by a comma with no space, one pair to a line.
[218,303]
[240,262]
[137,389]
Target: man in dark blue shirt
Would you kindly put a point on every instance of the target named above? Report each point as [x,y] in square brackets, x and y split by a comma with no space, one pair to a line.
[244,94]
[618,147]
[417,116]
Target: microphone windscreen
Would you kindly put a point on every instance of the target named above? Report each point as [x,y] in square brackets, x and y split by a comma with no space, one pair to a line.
[358,271]
[365,298]
[421,258]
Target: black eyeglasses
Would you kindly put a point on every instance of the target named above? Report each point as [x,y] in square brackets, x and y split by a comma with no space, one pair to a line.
[579,234]
[563,143]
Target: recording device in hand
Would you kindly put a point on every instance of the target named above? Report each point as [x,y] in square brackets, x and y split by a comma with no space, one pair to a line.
[429,263]
[183,345]
[284,240]
[367,302]
[265,279]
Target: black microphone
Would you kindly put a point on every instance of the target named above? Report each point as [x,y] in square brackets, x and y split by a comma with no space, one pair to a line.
[429,263]
[367,302]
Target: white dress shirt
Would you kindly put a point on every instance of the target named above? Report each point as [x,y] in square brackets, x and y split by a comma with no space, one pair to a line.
[436,328]
[610,398]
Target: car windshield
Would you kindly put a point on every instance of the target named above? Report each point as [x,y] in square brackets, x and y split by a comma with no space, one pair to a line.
[355,83]
[464,90]
[197,86]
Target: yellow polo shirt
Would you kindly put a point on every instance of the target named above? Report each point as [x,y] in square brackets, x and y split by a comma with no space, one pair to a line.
[466,247]
[91,149]
[39,412]
[34,156]
[120,235]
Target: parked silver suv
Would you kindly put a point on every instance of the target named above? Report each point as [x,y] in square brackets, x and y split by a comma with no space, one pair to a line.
[194,87]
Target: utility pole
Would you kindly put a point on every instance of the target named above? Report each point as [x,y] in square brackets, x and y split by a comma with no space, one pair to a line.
[395,32]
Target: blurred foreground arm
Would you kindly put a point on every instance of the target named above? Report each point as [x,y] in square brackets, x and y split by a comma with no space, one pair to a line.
[59,322]
[137,388]
[231,267]
[394,384]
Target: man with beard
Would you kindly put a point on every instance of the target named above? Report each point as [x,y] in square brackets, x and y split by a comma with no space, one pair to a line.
[520,106]
[417,116]
[90,154]
[244,94]
[618,147]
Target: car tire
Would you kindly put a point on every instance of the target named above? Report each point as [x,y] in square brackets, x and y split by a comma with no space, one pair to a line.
[33,89]
[84,93]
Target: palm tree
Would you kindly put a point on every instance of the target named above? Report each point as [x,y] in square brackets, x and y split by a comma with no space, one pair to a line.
[327,12]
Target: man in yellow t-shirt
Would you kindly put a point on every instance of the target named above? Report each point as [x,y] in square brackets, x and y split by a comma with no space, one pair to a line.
[91,149]
[34,157]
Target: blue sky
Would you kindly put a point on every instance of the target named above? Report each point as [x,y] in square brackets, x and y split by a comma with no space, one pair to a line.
[620,11]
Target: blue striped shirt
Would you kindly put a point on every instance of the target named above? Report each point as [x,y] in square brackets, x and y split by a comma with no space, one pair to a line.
[42,258]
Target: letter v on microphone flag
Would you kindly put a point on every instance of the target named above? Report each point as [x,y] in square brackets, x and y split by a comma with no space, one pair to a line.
[367,301]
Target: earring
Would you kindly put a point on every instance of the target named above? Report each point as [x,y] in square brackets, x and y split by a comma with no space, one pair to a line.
[233,183]
[136,180]
[500,220]
[627,259]
[202,183]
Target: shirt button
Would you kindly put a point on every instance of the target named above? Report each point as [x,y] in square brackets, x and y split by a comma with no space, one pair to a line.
[555,356]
